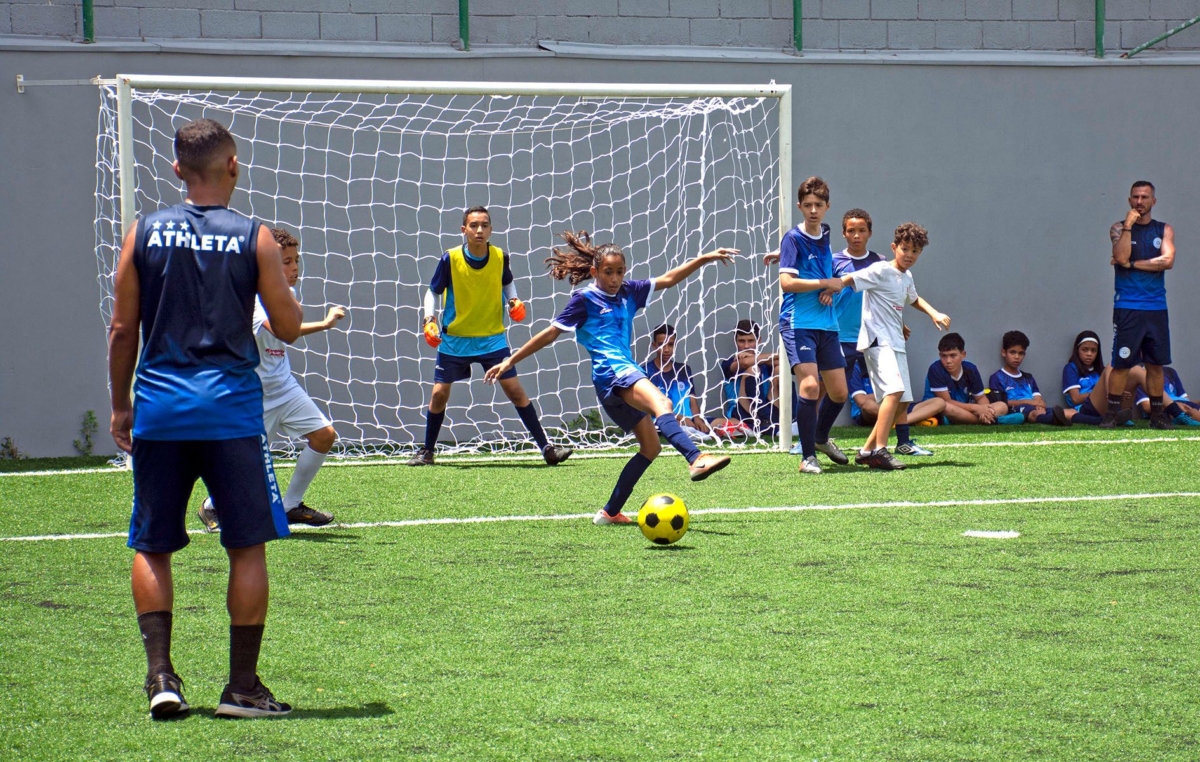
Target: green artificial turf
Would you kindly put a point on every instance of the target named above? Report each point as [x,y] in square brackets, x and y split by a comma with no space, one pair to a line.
[876,632]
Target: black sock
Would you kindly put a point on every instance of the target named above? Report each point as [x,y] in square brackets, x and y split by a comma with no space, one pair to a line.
[1156,405]
[529,417]
[628,479]
[1046,417]
[1174,409]
[1090,420]
[806,422]
[245,640]
[902,434]
[1114,404]
[433,427]
[156,637]
[826,415]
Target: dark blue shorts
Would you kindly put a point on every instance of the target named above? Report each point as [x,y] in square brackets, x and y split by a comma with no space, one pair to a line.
[852,355]
[1087,408]
[1022,409]
[811,345]
[239,477]
[1140,336]
[624,415]
[451,368]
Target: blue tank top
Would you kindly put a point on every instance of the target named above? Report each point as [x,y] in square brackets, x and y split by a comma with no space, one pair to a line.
[1137,289]
[198,274]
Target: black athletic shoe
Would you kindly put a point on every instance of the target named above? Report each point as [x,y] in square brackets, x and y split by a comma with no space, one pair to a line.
[257,702]
[830,449]
[862,460]
[422,458]
[1161,421]
[884,461]
[302,514]
[1114,418]
[165,691]
[1060,416]
[555,454]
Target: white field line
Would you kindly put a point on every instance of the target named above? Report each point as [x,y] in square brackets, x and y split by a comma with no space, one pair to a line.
[455,459]
[700,512]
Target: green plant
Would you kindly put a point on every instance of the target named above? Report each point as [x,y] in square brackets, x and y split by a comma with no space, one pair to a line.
[9,451]
[90,426]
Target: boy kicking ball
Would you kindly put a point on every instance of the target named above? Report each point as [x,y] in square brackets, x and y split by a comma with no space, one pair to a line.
[887,287]
[287,408]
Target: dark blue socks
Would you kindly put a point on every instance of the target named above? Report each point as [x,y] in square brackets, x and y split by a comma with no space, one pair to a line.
[433,427]
[806,422]
[902,435]
[825,417]
[670,428]
[628,479]
[529,417]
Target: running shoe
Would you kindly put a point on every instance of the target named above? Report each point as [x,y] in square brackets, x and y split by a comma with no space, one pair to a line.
[257,702]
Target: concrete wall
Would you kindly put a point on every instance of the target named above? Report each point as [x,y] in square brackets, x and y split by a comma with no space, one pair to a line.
[1016,164]
[828,24]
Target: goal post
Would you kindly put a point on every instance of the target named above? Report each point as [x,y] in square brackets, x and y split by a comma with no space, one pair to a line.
[373,176]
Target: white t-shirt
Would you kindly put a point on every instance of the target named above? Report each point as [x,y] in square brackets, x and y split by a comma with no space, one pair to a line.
[885,292]
[273,367]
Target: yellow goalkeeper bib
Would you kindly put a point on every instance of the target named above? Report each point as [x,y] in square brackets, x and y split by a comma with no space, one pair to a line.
[478,294]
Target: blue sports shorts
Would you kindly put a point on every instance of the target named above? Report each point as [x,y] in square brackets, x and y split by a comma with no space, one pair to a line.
[1141,336]
[812,345]
[624,415]
[238,474]
[451,368]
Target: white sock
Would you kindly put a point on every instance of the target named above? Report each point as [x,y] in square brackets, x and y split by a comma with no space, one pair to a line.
[306,468]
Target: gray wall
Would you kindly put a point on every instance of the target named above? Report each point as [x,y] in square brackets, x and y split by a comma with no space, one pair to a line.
[1017,167]
[828,24]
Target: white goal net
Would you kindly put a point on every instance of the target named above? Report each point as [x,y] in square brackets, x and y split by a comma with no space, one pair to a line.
[374,184]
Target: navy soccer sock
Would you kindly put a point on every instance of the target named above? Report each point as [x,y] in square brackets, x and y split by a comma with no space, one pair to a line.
[245,641]
[806,422]
[670,428]
[1090,420]
[1174,409]
[1046,417]
[529,417]
[1114,403]
[628,479]
[433,427]
[1156,405]
[156,637]
[825,417]
[902,435]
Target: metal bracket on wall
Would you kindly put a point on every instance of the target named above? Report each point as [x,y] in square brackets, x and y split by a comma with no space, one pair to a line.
[23,83]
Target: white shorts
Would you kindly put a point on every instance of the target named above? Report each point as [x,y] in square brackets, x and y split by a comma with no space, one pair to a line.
[888,370]
[292,413]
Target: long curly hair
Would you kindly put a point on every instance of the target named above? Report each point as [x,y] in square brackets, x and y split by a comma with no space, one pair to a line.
[575,262]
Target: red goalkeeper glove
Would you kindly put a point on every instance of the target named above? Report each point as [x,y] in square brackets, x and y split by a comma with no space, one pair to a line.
[516,310]
[433,335]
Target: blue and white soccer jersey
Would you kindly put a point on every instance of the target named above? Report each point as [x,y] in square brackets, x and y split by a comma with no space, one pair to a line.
[603,325]
[676,384]
[1022,386]
[964,389]
[1141,329]
[809,329]
[848,302]
[747,393]
[287,408]
[1083,383]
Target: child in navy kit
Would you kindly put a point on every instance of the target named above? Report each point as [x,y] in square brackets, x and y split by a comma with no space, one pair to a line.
[1018,389]
[1080,376]
[674,379]
[601,317]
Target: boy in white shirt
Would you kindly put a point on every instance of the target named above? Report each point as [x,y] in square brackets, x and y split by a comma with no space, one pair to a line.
[887,287]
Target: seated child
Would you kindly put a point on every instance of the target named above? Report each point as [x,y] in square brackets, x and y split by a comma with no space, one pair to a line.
[1183,410]
[1018,389]
[675,381]
[1080,377]
[751,383]
[957,382]
[864,410]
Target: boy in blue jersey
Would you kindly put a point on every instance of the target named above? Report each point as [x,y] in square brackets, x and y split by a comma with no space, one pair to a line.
[601,317]
[808,325]
[751,388]
[1018,389]
[475,283]
[187,276]
[856,229]
[1143,249]
[864,411]
[675,380]
[1183,411]
[958,383]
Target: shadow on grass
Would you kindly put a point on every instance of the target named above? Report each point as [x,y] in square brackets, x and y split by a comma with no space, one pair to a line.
[373,709]
[908,466]
[669,548]
[698,530]
[310,535]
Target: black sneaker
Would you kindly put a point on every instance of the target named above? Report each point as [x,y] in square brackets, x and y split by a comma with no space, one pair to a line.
[884,461]
[1114,418]
[422,458]
[862,460]
[1161,421]
[257,702]
[165,691]
[1060,416]
[555,454]
[833,452]
[302,514]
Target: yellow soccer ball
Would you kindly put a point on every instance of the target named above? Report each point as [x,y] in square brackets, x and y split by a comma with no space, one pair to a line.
[663,519]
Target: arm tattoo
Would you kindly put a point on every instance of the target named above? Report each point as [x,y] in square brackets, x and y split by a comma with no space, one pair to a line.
[1115,232]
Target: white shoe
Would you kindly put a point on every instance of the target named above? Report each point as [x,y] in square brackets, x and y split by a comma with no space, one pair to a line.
[809,465]
[601,518]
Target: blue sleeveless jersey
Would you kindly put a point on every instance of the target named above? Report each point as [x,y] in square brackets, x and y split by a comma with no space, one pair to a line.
[198,275]
[807,258]
[1137,289]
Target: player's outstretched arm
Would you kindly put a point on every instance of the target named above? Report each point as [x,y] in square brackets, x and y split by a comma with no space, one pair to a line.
[283,311]
[677,274]
[941,320]
[123,343]
[332,317]
[541,340]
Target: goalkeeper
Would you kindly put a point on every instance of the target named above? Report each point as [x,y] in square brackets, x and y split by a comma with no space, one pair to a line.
[475,283]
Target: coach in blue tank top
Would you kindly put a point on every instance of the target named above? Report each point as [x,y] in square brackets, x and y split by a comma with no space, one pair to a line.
[187,276]
[1143,249]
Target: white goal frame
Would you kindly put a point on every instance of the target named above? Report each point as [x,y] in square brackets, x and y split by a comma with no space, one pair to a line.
[127,83]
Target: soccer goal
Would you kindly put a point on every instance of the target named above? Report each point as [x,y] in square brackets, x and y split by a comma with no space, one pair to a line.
[373,178]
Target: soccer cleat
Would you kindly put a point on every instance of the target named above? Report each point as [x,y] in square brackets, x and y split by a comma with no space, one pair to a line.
[1183,419]
[833,452]
[423,457]
[1060,416]
[165,691]
[553,454]
[911,448]
[862,458]
[302,514]
[797,449]
[707,465]
[208,516]
[810,465]
[1161,421]
[1116,418]
[602,517]
[884,461]
[256,702]
[1011,419]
